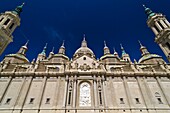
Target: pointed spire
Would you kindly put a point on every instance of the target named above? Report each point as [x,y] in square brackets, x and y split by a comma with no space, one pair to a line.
[52,50]
[148,11]
[84,37]
[63,44]
[105,44]
[123,51]
[106,49]
[115,52]
[23,49]
[26,44]
[62,49]
[143,49]
[18,9]
[44,50]
[84,43]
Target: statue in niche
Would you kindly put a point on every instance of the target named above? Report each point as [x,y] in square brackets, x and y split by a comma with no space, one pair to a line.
[76,65]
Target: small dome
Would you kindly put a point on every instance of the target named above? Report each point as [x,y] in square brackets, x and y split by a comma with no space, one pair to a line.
[84,50]
[148,56]
[20,56]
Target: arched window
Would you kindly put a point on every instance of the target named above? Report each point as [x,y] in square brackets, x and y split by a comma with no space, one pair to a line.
[85,95]
[7,21]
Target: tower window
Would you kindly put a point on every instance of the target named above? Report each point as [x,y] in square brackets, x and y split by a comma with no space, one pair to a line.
[69,98]
[31,101]
[137,101]
[1,19]
[156,28]
[161,25]
[8,101]
[7,21]
[47,101]
[100,97]
[121,101]
[11,26]
[160,101]
[168,45]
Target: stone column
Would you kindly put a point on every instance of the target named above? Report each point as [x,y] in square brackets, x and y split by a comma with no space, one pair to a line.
[154,30]
[95,92]
[104,91]
[164,25]
[162,90]
[157,25]
[166,21]
[129,99]
[65,92]
[42,91]
[163,49]
[24,93]
[149,99]
[143,93]
[56,93]
[6,88]
[75,91]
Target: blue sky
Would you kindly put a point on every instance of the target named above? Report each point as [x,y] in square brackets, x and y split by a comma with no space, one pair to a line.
[115,21]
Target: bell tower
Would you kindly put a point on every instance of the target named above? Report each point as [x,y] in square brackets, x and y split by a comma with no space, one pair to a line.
[161,28]
[8,23]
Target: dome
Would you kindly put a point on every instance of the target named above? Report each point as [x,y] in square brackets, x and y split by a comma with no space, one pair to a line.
[147,57]
[84,50]
[18,56]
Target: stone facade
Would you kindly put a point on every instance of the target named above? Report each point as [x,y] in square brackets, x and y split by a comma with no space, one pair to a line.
[84,84]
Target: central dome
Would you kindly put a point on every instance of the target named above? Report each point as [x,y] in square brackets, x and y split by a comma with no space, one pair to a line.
[83,50]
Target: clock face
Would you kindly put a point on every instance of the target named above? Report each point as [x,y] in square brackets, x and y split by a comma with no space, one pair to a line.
[85,96]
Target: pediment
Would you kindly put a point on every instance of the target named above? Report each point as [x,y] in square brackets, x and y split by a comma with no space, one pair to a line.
[85,63]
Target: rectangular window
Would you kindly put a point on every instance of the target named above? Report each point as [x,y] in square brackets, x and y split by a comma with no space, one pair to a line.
[11,26]
[121,101]
[47,101]
[100,97]
[7,21]
[1,19]
[137,101]
[161,25]
[156,28]
[168,45]
[31,101]
[69,98]
[160,101]
[8,101]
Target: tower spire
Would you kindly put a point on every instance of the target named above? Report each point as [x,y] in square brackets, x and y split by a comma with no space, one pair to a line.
[44,50]
[23,49]
[143,49]
[106,49]
[18,9]
[62,49]
[115,53]
[148,11]
[123,50]
[84,43]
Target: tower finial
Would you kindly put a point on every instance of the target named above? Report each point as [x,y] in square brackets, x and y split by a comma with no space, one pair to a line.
[84,37]
[148,11]
[140,43]
[63,43]
[144,6]
[18,9]
[105,44]
[123,51]
[26,43]
[52,50]
[44,50]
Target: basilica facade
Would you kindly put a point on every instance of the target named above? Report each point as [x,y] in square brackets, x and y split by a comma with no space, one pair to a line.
[84,84]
